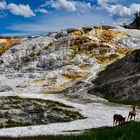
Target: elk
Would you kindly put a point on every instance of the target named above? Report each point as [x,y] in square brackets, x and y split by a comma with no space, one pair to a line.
[132,113]
[117,118]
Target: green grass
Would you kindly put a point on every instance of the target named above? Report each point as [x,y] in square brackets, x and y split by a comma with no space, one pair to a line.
[16,99]
[130,131]
[57,112]
[124,102]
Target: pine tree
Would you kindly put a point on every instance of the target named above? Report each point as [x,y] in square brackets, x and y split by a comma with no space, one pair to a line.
[136,23]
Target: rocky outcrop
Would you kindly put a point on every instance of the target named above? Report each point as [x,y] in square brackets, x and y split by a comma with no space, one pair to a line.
[120,80]
[60,59]
[4,88]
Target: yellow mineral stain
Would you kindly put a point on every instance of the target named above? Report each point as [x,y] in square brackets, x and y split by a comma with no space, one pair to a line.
[77,33]
[38,81]
[53,89]
[85,66]
[106,59]
[73,75]
[7,42]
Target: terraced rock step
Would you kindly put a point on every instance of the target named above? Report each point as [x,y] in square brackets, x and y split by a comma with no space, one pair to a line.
[57,60]
[16,111]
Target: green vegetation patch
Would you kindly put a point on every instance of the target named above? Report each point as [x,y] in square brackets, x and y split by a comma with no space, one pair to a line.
[128,131]
[16,111]
[119,101]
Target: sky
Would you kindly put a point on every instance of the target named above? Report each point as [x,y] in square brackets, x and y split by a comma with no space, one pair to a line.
[32,17]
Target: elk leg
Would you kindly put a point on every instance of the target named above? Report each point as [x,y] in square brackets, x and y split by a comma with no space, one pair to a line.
[131,117]
[128,117]
[113,122]
[119,122]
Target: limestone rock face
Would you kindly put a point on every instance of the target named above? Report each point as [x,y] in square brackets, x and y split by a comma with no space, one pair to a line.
[63,66]
[51,63]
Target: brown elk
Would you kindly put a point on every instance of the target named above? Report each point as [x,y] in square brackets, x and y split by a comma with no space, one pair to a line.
[117,118]
[132,113]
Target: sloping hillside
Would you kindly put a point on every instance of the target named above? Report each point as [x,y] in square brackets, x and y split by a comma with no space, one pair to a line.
[54,62]
[120,80]
[60,67]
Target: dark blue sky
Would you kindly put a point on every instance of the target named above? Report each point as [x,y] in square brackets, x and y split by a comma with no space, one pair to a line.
[23,17]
